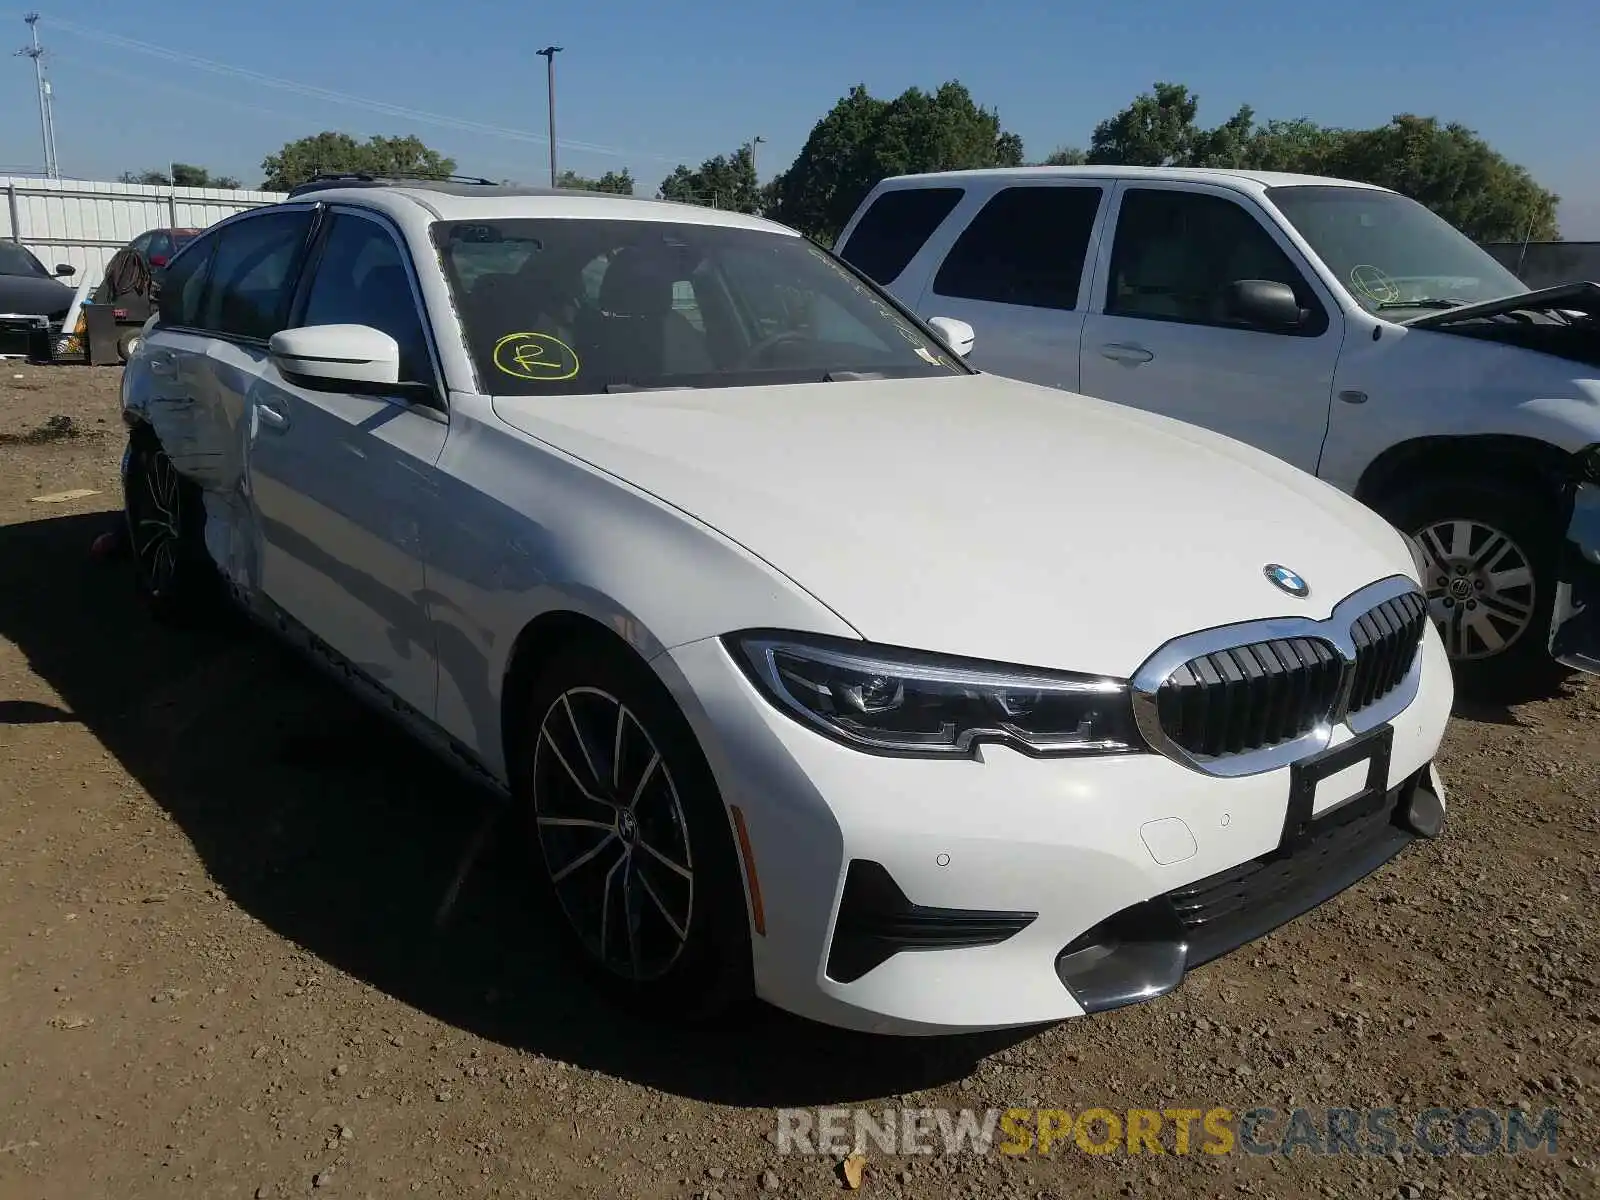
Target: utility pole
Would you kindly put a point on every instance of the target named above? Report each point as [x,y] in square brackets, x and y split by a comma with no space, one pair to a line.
[549,55]
[47,122]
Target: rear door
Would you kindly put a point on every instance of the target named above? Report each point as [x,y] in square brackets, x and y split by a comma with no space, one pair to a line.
[1158,337]
[343,484]
[1016,274]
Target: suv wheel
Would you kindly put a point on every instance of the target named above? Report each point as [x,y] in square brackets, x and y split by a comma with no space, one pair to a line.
[1491,552]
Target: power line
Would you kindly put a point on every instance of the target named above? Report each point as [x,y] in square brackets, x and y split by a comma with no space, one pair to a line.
[327,94]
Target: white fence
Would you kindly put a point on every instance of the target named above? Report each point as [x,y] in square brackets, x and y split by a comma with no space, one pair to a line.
[84,222]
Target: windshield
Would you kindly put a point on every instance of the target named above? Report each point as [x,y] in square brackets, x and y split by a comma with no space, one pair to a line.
[564,306]
[1391,252]
[14,260]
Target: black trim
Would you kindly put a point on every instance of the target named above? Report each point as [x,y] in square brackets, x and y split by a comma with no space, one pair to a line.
[876,921]
[1143,951]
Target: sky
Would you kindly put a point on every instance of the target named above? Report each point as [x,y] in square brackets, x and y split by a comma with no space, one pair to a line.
[646,85]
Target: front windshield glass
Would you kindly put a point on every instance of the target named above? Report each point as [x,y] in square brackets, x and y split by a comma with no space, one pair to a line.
[1391,252]
[561,306]
[14,260]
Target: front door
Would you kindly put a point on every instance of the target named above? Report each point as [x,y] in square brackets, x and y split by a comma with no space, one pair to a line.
[342,485]
[1159,337]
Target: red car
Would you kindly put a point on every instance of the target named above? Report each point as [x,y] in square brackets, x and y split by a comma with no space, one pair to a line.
[127,283]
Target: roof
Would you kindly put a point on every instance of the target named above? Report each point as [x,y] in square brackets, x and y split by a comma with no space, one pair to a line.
[1226,177]
[458,200]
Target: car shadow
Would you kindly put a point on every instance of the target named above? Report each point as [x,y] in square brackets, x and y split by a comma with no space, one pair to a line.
[339,833]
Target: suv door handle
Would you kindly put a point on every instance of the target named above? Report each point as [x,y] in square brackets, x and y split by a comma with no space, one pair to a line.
[271,417]
[1132,355]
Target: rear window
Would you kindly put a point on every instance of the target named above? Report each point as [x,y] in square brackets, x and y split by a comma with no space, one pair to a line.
[891,232]
[1026,246]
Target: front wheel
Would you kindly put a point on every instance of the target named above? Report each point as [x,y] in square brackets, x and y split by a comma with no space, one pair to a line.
[631,842]
[1491,554]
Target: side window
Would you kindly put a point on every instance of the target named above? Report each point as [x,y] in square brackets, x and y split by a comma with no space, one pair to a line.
[891,232]
[1026,246]
[141,245]
[160,247]
[254,273]
[360,278]
[178,300]
[1176,252]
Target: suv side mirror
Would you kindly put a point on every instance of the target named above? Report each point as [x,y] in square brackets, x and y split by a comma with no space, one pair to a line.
[1263,304]
[337,358]
[63,269]
[960,336]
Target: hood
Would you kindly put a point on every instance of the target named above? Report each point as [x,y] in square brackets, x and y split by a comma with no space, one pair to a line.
[1563,321]
[33,295]
[981,516]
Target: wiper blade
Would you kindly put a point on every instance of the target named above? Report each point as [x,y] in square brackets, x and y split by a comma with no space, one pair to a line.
[1425,302]
[613,388]
[853,376]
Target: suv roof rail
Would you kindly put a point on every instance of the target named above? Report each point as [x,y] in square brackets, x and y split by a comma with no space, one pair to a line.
[330,179]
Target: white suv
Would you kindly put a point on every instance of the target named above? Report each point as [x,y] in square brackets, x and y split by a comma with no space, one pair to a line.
[811,662]
[1341,327]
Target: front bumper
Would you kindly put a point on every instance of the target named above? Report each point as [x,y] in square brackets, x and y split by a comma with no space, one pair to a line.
[1029,890]
[1575,623]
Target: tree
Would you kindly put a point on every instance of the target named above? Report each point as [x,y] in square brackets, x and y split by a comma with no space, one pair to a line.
[862,139]
[1446,167]
[618,183]
[183,175]
[726,181]
[1065,156]
[330,152]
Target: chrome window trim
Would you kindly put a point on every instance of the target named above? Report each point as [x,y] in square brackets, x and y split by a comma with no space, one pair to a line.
[1335,630]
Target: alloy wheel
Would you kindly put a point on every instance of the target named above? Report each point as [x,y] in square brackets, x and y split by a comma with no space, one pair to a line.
[1480,585]
[157,522]
[611,828]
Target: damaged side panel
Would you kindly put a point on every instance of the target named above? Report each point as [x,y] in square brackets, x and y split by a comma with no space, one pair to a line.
[190,393]
[1575,624]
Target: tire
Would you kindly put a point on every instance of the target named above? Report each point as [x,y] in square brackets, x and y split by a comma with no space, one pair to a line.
[1492,549]
[173,574]
[127,344]
[645,852]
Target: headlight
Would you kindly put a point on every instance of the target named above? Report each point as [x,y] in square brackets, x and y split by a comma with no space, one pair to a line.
[891,701]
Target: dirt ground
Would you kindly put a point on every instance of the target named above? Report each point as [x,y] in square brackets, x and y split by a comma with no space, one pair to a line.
[222,974]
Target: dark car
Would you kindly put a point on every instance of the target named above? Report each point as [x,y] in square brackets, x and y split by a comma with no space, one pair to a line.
[28,292]
[131,277]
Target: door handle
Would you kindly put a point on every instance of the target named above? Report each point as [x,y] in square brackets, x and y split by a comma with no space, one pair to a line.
[1132,355]
[271,417]
[162,363]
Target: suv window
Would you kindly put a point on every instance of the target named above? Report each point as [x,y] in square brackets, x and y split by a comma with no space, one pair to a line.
[891,232]
[178,299]
[160,246]
[1176,252]
[1026,246]
[254,270]
[360,278]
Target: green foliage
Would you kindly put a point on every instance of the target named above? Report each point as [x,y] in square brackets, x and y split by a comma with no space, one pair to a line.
[619,183]
[183,175]
[1066,156]
[330,152]
[1446,167]
[863,139]
[726,181]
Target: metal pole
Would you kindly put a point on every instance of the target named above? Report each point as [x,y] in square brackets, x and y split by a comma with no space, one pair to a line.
[549,55]
[46,134]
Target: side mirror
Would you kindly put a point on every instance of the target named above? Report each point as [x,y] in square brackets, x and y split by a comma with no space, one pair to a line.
[1263,304]
[64,269]
[958,334]
[337,358]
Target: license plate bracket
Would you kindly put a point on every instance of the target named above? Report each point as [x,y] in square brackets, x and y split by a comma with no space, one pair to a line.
[1301,822]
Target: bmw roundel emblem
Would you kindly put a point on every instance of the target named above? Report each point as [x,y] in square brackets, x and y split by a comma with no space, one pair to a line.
[1286,580]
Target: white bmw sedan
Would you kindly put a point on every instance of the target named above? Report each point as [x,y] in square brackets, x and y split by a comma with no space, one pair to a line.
[815,665]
